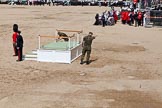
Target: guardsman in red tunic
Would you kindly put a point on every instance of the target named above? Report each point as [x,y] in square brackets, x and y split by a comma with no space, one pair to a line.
[14,37]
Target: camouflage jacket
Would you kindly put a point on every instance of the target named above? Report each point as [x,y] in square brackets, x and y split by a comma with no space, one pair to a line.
[87,42]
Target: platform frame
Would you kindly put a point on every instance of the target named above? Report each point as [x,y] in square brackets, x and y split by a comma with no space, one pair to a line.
[61,56]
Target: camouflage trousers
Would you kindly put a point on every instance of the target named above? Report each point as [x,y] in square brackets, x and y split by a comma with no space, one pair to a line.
[84,51]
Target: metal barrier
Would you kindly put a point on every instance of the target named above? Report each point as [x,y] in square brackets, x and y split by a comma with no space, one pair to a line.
[153,18]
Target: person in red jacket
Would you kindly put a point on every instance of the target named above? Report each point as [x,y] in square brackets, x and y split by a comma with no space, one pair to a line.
[124,16]
[14,37]
[139,18]
[127,16]
[115,16]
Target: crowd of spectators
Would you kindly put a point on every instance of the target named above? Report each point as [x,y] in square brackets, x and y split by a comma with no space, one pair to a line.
[107,18]
[131,15]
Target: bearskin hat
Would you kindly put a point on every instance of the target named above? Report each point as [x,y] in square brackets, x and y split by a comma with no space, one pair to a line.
[15,28]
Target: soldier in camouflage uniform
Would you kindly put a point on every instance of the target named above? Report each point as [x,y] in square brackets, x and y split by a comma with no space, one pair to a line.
[87,41]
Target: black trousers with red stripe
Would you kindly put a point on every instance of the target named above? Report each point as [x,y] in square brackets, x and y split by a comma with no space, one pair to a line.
[20,51]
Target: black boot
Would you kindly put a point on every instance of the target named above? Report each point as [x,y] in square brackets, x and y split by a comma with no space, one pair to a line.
[81,62]
[87,62]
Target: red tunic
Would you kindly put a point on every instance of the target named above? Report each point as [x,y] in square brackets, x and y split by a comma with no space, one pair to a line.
[126,16]
[115,16]
[139,15]
[14,37]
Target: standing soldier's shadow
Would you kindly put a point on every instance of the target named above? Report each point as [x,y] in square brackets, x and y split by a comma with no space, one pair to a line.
[91,61]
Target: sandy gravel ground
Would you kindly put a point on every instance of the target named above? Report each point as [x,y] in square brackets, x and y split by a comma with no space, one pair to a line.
[125,72]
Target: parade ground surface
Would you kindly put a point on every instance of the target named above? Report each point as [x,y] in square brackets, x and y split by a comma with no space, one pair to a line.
[125,69]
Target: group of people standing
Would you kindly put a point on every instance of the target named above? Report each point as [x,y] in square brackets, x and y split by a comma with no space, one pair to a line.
[131,17]
[17,42]
[127,16]
[107,18]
